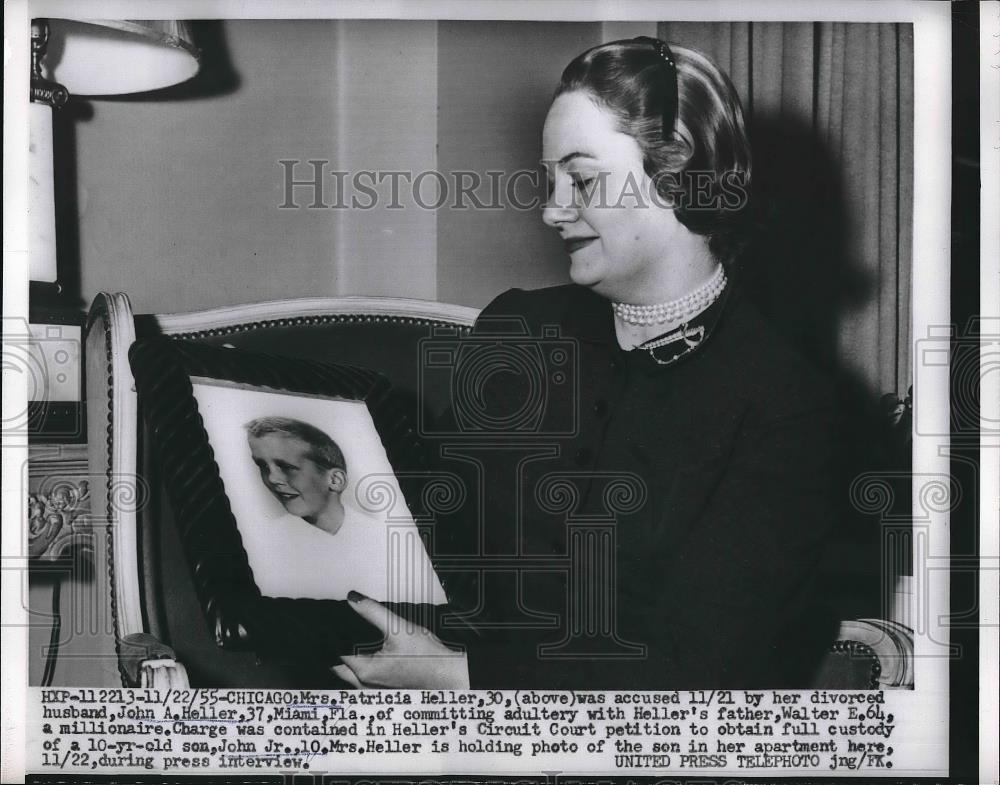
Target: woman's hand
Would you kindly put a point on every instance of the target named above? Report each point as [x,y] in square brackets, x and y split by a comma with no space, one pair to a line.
[411,656]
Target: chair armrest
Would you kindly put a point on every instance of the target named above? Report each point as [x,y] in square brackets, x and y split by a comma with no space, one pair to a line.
[869,654]
[146,662]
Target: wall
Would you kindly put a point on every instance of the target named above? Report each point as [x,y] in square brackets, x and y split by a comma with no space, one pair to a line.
[495,81]
[178,199]
[387,107]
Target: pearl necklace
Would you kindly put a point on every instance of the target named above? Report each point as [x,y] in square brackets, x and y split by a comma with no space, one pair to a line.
[674,310]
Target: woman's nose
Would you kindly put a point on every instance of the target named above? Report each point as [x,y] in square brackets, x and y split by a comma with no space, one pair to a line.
[559,209]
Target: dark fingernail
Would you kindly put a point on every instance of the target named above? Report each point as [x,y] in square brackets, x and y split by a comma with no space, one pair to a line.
[355,596]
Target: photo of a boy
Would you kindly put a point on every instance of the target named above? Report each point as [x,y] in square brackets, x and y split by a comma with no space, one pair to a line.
[302,467]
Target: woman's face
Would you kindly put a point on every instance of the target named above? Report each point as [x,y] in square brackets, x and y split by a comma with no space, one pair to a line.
[296,480]
[617,237]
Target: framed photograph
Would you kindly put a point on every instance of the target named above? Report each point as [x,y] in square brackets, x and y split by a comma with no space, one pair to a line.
[283,476]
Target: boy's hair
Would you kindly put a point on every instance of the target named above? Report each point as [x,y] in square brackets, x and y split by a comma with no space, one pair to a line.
[323,450]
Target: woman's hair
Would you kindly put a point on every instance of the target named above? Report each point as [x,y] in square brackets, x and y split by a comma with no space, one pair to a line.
[700,165]
[323,450]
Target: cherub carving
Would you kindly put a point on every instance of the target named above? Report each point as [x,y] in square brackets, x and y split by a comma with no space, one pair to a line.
[51,517]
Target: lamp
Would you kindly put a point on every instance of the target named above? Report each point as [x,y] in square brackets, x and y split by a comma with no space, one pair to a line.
[89,58]
[118,57]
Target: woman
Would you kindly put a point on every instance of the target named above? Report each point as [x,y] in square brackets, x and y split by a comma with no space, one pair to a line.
[699,434]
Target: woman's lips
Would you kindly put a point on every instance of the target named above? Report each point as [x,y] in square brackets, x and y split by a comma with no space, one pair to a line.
[576,243]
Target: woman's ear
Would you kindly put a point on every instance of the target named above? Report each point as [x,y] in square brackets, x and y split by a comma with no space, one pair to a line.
[338,480]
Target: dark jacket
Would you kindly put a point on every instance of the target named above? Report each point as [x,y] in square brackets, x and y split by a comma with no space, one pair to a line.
[640,524]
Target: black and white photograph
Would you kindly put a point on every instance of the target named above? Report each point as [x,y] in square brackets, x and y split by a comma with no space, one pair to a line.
[602,382]
[302,471]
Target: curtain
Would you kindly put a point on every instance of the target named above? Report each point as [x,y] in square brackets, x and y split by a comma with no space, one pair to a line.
[830,113]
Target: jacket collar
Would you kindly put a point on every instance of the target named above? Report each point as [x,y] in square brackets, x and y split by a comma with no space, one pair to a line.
[587,317]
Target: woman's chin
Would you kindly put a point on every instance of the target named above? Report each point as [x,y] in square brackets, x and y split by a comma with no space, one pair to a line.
[589,278]
[583,275]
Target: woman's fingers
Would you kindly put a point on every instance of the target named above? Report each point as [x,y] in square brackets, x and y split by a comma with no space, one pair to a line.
[411,656]
[411,670]
[359,668]
[375,613]
[344,672]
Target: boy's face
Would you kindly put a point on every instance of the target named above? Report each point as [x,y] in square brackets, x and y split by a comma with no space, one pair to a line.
[302,487]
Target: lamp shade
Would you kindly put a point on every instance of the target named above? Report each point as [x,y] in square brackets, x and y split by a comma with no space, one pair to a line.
[116,57]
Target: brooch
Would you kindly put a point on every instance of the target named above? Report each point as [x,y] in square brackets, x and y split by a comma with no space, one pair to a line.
[692,338]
